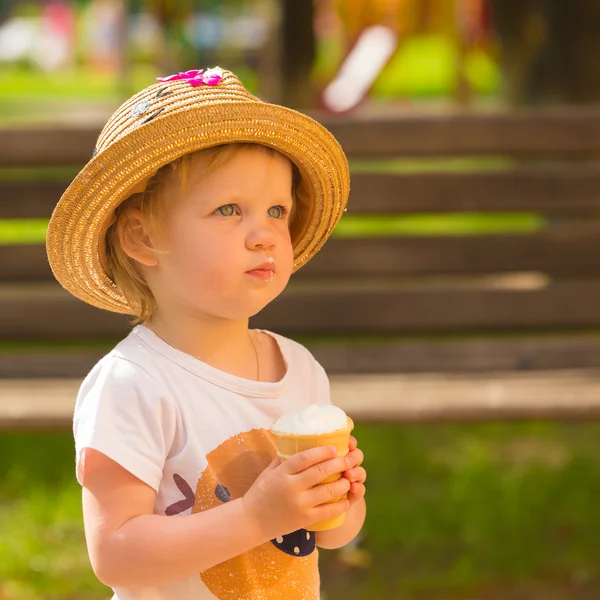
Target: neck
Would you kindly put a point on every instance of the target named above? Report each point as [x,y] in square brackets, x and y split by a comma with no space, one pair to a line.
[222,343]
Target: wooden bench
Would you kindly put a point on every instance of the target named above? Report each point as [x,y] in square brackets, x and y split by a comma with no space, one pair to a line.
[409,327]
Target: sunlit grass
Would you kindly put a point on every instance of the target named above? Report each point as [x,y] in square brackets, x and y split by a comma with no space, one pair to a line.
[81,83]
[451,508]
[23,231]
[438,224]
[42,546]
[430,165]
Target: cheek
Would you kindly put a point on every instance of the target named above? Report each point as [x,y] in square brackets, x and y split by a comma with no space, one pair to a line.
[285,253]
[204,259]
[194,250]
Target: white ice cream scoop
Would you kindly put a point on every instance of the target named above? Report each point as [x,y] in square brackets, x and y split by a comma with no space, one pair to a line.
[314,419]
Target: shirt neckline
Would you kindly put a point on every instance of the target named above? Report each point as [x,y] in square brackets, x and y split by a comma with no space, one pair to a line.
[240,385]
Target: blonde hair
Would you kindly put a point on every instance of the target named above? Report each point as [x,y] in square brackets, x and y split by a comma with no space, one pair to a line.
[152,204]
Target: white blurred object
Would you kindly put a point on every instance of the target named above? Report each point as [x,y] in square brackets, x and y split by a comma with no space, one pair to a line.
[245,32]
[361,67]
[204,30]
[145,33]
[17,37]
[50,51]
[103,33]
[54,44]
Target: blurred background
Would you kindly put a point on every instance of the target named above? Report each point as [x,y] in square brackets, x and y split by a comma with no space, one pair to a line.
[88,55]
[473,132]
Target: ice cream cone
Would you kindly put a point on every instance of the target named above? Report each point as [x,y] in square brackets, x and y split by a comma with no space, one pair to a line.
[289,444]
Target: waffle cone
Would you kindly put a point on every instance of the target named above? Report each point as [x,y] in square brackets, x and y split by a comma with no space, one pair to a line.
[289,444]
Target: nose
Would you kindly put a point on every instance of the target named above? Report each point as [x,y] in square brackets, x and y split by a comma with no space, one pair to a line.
[261,235]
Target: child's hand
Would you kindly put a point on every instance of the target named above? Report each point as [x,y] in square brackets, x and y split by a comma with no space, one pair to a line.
[289,496]
[355,474]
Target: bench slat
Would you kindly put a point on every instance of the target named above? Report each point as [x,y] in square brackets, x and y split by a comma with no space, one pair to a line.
[562,251]
[559,190]
[47,146]
[412,356]
[24,263]
[349,311]
[460,356]
[456,397]
[47,404]
[29,199]
[551,131]
[524,132]
[50,313]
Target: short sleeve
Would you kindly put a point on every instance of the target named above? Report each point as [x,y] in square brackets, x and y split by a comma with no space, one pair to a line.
[122,412]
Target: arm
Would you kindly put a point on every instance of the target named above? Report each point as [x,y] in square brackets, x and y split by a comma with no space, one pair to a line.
[130,546]
[340,536]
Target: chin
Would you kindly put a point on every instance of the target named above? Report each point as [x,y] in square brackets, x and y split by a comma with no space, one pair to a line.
[244,312]
[245,309]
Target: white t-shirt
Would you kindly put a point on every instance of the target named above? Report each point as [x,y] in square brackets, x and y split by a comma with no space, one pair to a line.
[199,437]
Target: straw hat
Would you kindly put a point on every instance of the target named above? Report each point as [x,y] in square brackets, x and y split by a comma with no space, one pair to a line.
[179,115]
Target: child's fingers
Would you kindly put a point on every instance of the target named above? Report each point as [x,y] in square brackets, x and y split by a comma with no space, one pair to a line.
[357,491]
[330,510]
[308,458]
[326,492]
[274,464]
[356,458]
[352,444]
[317,473]
[357,474]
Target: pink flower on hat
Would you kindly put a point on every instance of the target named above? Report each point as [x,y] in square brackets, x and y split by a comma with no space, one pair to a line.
[197,77]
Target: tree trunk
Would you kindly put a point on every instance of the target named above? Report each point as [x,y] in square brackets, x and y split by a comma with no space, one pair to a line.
[580,21]
[297,53]
[549,50]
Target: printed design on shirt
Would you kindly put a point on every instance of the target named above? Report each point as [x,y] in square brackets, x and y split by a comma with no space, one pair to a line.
[286,567]
[189,498]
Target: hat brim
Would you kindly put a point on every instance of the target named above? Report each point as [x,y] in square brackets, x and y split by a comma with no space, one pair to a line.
[77,227]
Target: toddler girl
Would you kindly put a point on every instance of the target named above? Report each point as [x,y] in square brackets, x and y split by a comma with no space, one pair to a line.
[198,204]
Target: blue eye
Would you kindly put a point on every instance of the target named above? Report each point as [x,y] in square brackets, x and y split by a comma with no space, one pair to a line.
[277,212]
[226,211]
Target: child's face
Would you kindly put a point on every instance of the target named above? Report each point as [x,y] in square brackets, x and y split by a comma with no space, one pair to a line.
[221,231]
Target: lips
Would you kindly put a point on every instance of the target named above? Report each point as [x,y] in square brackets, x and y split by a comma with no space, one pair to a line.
[264,272]
[266,266]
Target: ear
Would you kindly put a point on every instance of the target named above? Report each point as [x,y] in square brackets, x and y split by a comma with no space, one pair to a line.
[134,237]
